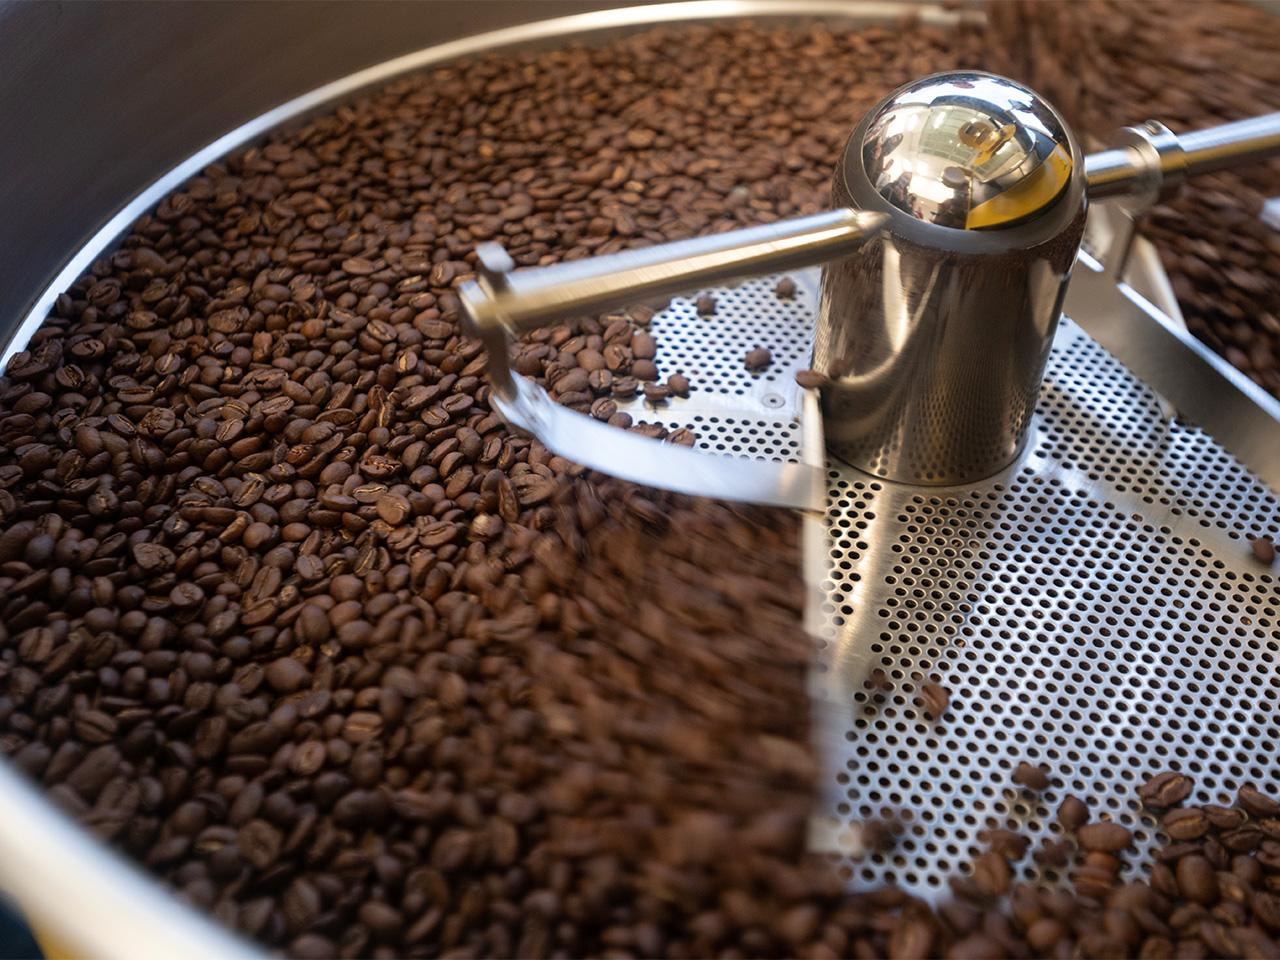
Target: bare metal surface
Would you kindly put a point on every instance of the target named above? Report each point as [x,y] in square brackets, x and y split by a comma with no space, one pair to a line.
[503,301]
[967,150]
[525,299]
[1095,609]
[935,338]
[1201,385]
[749,437]
[1123,169]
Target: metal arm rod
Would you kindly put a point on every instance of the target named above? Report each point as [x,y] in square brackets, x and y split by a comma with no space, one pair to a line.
[522,300]
[1120,171]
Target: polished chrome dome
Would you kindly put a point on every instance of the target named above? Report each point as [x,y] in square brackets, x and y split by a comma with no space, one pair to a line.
[967,150]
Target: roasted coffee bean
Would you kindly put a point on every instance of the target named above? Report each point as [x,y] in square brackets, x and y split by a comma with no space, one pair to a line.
[1008,844]
[1188,824]
[1030,776]
[678,384]
[1165,789]
[934,699]
[757,359]
[785,289]
[991,873]
[1072,813]
[1264,550]
[811,379]
[642,370]
[604,409]
[656,393]
[1104,836]
[1256,803]
[1197,880]
[287,675]
[705,305]
[878,680]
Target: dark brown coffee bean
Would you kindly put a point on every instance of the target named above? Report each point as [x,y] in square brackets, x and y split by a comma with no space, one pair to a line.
[878,680]
[785,289]
[1165,790]
[1223,818]
[991,873]
[705,305]
[811,379]
[287,675]
[1197,879]
[1030,776]
[1187,824]
[1257,803]
[259,844]
[1072,813]
[656,393]
[678,384]
[641,370]
[1264,550]
[1008,844]
[643,346]
[603,408]
[934,699]
[757,359]
[1103,836]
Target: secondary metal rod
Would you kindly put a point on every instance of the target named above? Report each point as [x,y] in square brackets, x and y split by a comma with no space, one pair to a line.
[521,300]
[1114,172]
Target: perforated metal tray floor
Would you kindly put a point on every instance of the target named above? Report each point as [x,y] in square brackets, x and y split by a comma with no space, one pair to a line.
[1094,609]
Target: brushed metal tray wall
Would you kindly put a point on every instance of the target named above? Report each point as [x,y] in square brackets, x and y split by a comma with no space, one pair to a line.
[1094,609]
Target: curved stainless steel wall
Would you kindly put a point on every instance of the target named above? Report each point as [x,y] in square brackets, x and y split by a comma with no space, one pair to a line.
[99,99]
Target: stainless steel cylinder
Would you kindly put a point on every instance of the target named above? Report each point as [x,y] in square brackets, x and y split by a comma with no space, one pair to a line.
[935,338]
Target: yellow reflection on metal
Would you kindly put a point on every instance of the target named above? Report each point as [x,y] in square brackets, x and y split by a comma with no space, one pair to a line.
[1034,193]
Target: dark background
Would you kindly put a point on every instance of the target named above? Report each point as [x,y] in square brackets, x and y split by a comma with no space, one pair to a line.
[97,99]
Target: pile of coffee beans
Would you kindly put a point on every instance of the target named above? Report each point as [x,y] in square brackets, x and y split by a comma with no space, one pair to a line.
[292,619]
[1111,63]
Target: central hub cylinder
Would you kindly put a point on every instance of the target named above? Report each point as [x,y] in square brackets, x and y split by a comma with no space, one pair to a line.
[935,337]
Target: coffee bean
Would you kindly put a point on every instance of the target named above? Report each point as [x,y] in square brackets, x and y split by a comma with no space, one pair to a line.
[604,408]
[643,346]
[287,675]
[878,680]
[757,359]
[934,699]
[705,305]
[1256,803]
[1165,790]
[1104,836]
[811,379]
[1032,777]
[656,393]
[1188,824]
[1072,813]
[1264,550]
[1012,846]
[678,384]
[991,873]
[785,289]
[642,370]
[1197,880]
